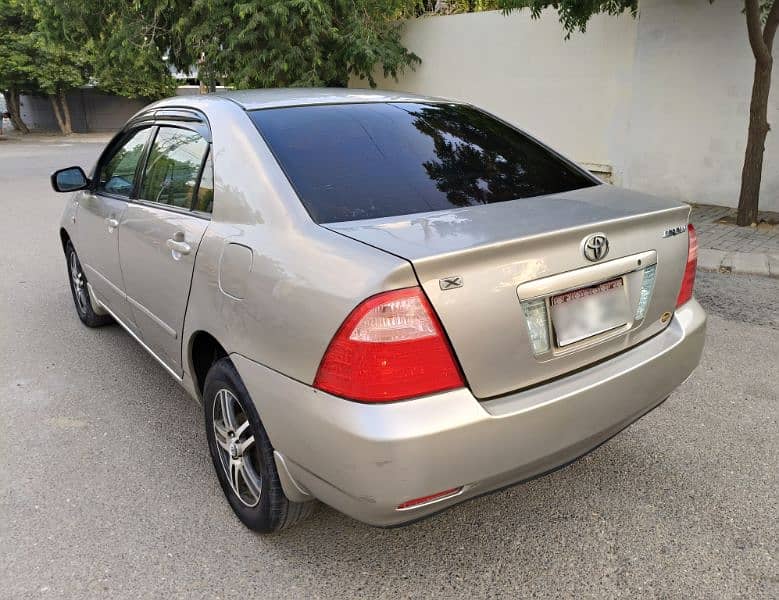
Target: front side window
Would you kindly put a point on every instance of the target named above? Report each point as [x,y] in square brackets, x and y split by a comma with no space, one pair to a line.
[173,167]
[117,175]
[363,161]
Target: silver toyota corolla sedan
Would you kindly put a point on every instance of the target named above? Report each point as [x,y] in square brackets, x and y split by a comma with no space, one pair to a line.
[385,302]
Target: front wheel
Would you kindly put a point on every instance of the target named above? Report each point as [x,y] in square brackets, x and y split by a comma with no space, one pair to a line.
[80,291]
[243,455]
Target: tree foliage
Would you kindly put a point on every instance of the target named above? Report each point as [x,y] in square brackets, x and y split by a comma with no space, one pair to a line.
[121,42]
[448,7]
[58,69]
[268,43]
[573,14]
[125,47]
[17,56]
[16,45]
[53,46]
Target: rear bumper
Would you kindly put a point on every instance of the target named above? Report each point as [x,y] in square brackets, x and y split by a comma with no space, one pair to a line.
[365,460]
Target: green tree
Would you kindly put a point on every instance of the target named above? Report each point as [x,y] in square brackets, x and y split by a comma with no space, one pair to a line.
[57,65]
[121,43]
[16,57]
[53,46]
[278,43]
[762,19]
[58,69]
[573,14]
[450,7]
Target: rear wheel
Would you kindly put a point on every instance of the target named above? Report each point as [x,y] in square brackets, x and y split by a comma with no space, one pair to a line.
[243,455]
[80,291]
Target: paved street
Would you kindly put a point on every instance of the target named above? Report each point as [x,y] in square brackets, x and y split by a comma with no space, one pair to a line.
[107,490]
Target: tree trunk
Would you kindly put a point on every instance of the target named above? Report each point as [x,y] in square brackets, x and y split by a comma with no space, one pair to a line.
[752,172]
[57,113]
[14,110]
[761,40]
[66,114]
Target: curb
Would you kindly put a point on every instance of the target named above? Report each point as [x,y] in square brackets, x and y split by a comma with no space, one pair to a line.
[747,263]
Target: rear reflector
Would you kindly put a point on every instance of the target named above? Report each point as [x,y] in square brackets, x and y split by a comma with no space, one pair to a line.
[428,499]
[688,281]
[647,286]
[391,347]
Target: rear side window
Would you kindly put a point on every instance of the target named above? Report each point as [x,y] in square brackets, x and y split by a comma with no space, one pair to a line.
[363,161]
[204,199]
[173,167]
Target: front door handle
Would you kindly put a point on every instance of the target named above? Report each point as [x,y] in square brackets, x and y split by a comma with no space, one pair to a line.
[112,223]
[178,247]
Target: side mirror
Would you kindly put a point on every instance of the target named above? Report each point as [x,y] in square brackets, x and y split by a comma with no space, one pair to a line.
[69,180]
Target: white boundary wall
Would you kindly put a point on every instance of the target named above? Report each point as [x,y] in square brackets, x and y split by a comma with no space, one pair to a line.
[663,100]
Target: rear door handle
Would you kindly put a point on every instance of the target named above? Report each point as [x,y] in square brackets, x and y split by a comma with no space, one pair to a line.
[112,223]
[178,247]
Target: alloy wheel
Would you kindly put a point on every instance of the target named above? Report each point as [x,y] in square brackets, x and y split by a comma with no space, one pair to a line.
[79,283]
[235,444]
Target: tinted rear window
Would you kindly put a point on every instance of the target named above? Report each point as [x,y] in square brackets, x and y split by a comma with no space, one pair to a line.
[363,161]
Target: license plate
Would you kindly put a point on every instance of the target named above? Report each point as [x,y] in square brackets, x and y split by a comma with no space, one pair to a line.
[588,311]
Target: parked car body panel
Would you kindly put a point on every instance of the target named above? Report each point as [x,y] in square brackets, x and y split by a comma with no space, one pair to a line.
[304,279]
[256,208]
[157,281]
[99,247]
[494,249]
[365,460]
[273,287]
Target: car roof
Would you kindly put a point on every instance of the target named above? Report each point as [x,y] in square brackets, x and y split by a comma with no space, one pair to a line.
[280,97]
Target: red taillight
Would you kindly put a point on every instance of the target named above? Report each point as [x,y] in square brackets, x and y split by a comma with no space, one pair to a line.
[688,281]
[390,347]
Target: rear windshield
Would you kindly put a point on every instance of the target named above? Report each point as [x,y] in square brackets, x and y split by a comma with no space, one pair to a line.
[363,161]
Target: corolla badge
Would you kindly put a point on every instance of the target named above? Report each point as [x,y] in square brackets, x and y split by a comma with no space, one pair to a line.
[595,247]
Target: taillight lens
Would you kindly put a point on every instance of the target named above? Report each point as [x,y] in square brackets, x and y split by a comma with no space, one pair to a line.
[688,281]
[391,347]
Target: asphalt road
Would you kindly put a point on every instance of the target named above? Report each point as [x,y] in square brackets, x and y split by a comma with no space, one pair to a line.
[107,490]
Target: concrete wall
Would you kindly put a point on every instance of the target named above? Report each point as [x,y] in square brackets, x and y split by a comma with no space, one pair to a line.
[692,82]
[663,100]
[90,111]
[37,113]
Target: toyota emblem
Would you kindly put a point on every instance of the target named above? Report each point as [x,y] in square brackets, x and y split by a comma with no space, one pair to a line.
[595,247]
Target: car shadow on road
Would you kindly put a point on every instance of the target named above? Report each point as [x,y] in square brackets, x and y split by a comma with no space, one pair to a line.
[578,514]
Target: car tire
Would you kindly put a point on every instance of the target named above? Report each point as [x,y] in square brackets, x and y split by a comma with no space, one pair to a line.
[246,469]
[80,291]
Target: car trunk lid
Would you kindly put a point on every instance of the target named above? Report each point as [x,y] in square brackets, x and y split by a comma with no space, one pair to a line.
[486,269]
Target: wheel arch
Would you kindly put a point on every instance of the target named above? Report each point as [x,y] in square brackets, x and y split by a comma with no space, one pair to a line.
[204,350]
[64,238]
